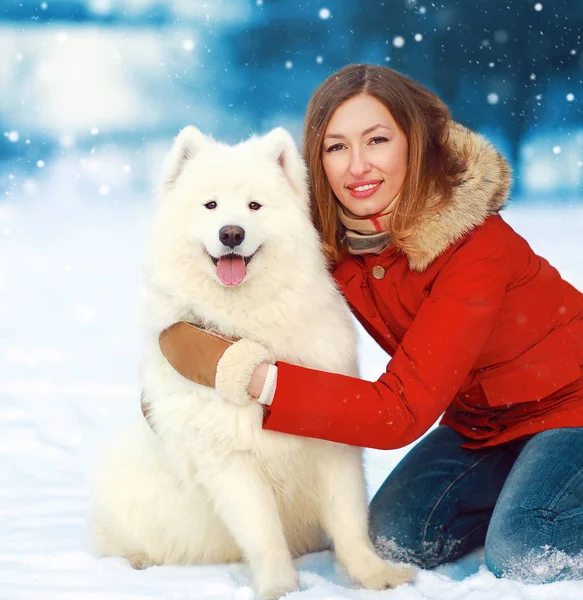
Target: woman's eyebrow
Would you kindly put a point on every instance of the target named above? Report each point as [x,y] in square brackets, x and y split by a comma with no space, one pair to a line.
[339,136]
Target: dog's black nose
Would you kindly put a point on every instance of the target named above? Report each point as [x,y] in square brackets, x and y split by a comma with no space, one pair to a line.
[231,235]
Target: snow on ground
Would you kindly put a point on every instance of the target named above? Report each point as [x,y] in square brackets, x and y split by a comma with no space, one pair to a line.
[69,352]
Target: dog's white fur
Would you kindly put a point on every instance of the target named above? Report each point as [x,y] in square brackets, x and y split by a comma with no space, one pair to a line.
[208,485]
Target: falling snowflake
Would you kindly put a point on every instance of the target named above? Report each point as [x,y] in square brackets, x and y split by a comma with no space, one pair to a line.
[40,164]
[538,7]
[188,45]
[422,10]
[13,136]
[398,41]
[289,64]
[556,149]
[319,59]
[570,97]
[418,37]
[493,98]
[67,140]
[324,13]
[94,131]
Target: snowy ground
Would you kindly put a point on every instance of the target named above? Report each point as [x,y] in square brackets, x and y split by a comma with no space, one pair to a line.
[69,351]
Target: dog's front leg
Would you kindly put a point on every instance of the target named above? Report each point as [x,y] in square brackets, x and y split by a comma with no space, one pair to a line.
[345,520]
[245,502]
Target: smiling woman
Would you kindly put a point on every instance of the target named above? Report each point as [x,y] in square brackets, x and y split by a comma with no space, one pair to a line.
[365,165]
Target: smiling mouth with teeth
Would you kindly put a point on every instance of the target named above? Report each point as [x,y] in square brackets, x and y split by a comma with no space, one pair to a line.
[231,268]
[362,188]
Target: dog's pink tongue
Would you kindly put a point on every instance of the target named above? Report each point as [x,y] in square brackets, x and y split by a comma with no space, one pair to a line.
[231,269]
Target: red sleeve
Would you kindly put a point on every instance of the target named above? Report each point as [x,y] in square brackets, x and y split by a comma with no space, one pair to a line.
[435,356]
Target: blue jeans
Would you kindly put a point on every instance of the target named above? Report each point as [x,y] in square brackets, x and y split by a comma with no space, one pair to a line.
[522,500]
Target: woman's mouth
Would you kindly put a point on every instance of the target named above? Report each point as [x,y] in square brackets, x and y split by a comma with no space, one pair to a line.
[364,189]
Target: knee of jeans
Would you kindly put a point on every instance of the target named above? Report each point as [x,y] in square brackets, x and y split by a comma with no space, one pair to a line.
[401,537]
[394,522]
[423,554]
[514,541]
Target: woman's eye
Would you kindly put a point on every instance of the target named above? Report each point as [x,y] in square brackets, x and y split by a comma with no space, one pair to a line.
[210,205]
[378,140]
[254,205]
[334,148]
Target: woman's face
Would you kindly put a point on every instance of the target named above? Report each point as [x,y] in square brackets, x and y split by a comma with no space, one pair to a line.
[364,156]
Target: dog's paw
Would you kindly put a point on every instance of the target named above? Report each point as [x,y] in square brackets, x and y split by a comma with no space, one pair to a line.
[384,575]
[277,584]
[140,561]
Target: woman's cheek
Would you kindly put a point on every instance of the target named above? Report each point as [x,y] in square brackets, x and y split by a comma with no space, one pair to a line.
[332,171]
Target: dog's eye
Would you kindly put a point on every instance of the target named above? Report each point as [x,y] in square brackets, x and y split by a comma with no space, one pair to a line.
[210,205]
[254,205]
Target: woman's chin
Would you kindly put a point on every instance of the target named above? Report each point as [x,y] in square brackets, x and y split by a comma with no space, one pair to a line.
[366,207]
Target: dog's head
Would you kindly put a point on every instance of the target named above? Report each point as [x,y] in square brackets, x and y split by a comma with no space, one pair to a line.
[228,208]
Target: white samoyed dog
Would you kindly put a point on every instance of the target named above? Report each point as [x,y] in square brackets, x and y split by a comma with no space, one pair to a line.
[204,483]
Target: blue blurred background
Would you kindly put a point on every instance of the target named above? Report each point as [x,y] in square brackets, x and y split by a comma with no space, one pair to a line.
[92,91]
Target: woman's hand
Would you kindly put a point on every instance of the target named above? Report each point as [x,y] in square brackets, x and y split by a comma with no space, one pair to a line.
[237,369]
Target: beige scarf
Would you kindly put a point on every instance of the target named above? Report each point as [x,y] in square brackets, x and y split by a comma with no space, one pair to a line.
[366,235]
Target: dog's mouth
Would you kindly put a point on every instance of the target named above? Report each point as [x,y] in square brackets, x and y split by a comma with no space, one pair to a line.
[232,267]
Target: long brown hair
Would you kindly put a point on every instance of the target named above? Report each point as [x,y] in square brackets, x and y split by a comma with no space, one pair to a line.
[420,115]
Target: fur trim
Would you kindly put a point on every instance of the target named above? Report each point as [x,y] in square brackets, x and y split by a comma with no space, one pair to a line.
[482,192]
[235,368]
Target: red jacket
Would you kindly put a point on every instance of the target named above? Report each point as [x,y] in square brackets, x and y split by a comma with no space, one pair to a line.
[478,327]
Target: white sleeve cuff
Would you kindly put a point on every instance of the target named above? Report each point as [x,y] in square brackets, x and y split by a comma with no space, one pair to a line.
[268,391]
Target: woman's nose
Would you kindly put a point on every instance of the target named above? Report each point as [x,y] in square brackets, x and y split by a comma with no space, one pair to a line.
[359,164]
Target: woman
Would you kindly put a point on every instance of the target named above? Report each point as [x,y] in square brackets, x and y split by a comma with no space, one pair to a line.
[478,327]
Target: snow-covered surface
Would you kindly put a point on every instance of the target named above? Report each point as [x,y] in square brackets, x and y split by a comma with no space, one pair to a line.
[69,352]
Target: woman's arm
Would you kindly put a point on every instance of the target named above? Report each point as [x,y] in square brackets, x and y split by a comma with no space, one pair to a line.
[427,370]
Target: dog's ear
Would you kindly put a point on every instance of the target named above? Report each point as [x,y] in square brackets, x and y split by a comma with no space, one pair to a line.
[281,148]
[188,143]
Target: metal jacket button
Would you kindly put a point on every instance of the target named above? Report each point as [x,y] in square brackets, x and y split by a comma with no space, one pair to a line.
[378,272]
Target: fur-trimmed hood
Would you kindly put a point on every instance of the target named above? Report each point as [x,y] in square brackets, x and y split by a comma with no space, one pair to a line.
[483,190]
